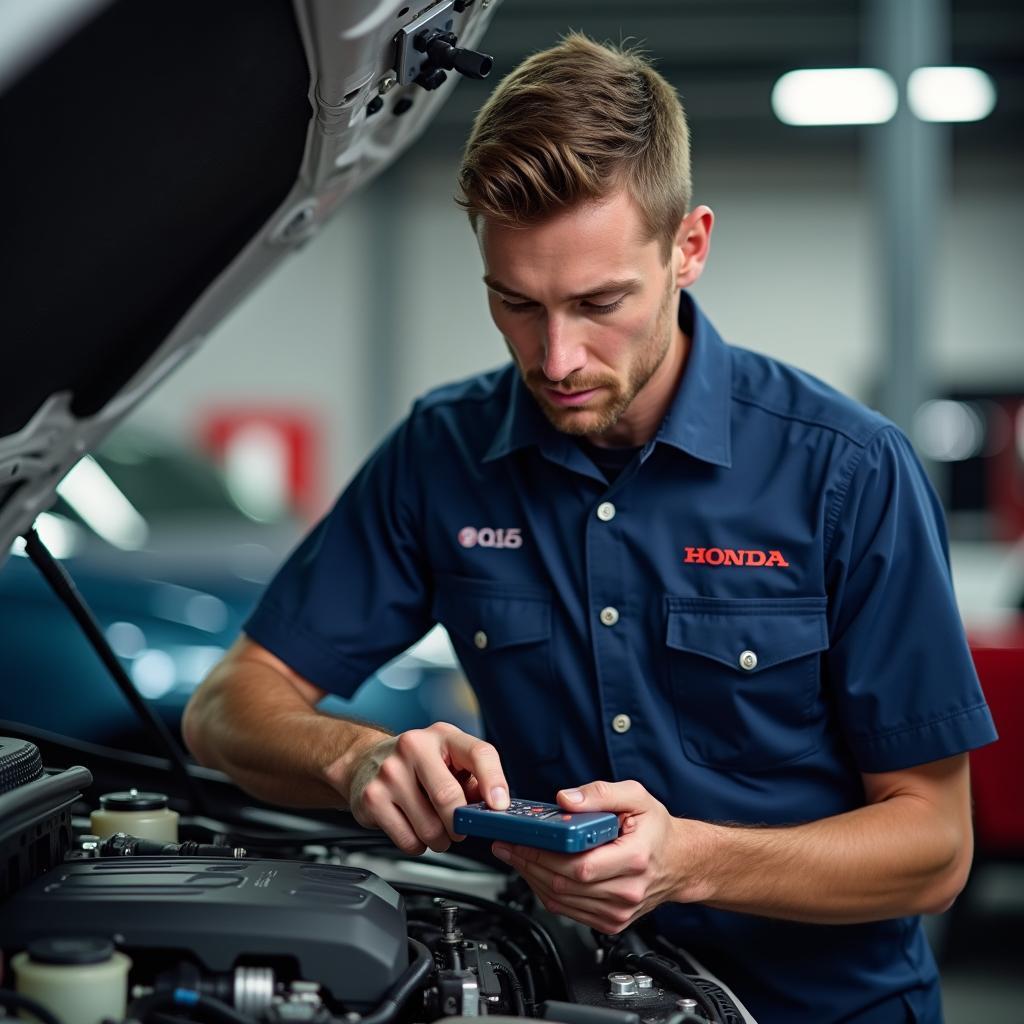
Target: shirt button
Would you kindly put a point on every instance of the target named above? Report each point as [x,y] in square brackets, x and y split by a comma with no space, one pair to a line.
[480,639]
[621,723]
[748,661]
[606,511]
[609,616]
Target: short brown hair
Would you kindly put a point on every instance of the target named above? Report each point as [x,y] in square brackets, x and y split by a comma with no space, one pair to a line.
[570,125]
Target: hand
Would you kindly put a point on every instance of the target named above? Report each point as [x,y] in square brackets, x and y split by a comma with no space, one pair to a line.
[409,785]
[610,886]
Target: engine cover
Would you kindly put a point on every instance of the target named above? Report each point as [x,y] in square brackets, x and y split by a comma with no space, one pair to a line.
[345,927]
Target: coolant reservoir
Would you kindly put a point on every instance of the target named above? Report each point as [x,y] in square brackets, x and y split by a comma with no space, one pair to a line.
[81,980]
[145,815]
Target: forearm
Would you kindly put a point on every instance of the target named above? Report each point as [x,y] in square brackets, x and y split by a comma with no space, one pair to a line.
[883,860]
[271,742]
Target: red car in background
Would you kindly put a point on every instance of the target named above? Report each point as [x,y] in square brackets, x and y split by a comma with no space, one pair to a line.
[997,771]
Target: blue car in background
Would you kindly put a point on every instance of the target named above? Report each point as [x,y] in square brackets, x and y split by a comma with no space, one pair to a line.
[171,562]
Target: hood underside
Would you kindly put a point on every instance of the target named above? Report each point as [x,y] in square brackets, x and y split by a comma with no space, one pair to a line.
[159,159]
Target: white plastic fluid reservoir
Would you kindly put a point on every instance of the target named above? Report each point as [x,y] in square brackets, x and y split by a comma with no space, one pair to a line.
[80,979]
[145,815]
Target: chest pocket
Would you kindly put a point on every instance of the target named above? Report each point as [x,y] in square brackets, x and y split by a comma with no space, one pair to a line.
[745,678]
[501,634]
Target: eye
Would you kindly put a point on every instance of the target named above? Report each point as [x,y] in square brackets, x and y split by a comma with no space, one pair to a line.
[518,307]
[599,310]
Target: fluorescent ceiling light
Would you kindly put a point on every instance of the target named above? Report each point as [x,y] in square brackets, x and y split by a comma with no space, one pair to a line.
[835,96]
[950,94]
[100,502]
[61,536]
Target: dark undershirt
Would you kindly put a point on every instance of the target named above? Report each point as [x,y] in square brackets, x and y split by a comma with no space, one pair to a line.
[610,461]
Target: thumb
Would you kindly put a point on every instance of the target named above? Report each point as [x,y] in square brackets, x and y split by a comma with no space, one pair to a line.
[617,797]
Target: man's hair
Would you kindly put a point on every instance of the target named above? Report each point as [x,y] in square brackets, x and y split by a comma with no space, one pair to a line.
[572,124]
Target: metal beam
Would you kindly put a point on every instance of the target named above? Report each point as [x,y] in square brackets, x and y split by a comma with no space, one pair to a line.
[910,171]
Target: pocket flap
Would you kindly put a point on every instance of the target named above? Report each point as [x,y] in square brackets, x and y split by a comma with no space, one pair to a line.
[489,615]
[728,630]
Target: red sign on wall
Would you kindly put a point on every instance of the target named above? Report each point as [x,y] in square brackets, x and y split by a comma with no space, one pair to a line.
[272,458]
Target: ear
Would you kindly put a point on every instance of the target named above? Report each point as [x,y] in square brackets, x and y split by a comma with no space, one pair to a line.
[692,245]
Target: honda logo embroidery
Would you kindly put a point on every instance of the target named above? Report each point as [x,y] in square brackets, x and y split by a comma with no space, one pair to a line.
[734,556]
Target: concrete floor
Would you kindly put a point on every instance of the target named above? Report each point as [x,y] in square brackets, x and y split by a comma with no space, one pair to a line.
[980,946]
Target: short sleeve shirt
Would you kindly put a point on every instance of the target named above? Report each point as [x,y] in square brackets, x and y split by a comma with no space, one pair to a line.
[754,612]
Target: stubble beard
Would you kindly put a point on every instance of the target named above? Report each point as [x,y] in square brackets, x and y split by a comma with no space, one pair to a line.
[593,420]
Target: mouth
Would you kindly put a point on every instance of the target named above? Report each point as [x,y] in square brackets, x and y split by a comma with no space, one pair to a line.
[571,399]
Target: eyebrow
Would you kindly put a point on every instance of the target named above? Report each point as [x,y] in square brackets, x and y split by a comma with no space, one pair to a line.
[607,288]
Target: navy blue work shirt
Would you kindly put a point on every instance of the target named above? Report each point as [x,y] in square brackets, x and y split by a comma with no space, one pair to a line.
[756,611]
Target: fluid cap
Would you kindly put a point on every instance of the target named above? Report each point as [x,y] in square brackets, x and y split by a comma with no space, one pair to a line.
[133,800]
[71,950]
[621,985]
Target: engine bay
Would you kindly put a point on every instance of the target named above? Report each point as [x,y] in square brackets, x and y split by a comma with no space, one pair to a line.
[129,905]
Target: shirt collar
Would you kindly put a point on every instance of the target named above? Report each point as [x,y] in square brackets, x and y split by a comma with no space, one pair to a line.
[697,421]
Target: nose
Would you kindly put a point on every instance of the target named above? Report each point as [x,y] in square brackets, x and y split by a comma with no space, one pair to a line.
[564,352]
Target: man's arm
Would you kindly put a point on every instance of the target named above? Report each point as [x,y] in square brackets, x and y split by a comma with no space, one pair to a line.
[255,719]
[907,851]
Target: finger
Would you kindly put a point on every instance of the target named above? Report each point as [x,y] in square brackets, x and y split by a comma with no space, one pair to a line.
[618,797]
[603,862]
[620,890]
[399,829]
[482,759]
[422,816]
[597,865]
[599,919]
[471,787]
[420,767]
[556,863]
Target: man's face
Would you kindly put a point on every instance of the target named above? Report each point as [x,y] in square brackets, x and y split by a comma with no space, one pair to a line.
[587,306]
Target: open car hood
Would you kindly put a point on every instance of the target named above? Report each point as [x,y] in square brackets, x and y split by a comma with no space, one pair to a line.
[158,159]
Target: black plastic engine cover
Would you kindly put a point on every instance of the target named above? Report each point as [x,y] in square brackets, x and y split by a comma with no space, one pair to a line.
[345,927]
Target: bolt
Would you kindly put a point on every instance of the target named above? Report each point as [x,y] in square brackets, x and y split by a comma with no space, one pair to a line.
[386,84]
[449,918]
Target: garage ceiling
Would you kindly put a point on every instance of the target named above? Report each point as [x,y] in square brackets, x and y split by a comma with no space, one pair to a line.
[725,55]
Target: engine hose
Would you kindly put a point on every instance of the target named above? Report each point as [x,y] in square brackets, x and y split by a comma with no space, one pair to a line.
[15,1001]
[188,999]
[404,987]
[513,983]
[522,966]
[658,968]
[518,916]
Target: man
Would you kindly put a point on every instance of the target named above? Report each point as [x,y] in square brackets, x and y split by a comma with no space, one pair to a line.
[662,561]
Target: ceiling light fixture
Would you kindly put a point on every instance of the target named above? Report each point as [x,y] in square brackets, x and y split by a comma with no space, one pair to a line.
[820,96]
[950,94]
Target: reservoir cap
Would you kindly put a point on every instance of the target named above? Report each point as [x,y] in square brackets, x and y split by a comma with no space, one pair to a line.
[77,949]
[133,800]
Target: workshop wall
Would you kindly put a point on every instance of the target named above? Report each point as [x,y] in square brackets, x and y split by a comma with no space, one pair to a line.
[387,301]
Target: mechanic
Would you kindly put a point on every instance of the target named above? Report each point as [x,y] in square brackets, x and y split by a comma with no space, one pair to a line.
[664,562]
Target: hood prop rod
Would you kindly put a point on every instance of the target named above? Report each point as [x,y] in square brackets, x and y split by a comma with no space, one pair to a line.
[64,587]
